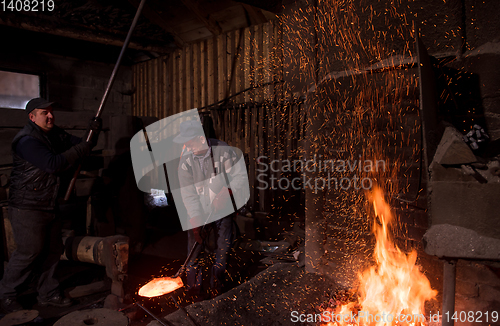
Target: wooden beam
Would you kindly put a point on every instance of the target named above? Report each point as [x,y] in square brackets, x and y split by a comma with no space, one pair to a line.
[255,14]
[209,22]
[212,78]
[83,35]
[157,19]
[221,66]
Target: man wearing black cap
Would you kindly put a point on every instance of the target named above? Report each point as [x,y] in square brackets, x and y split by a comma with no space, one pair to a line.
[41,152]
[211,183]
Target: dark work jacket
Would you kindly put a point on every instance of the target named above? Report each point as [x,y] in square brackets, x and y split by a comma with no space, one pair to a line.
[32,187]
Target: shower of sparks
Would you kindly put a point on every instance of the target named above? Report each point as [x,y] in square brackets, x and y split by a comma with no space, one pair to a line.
[362,105]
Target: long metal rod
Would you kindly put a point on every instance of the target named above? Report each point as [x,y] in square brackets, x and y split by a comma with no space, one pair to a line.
[108,87]
[195,245]
[122,52]
[183,267]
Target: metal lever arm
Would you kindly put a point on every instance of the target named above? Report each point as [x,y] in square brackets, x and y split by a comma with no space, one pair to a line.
[106,92]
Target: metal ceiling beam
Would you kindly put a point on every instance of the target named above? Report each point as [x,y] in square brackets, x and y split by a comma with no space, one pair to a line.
[210,23]
[83,35]
[157,19]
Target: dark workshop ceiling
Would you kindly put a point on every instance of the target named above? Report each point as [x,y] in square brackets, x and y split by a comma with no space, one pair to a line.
[97,28]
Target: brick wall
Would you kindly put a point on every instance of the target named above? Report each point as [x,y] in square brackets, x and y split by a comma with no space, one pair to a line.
[77,86]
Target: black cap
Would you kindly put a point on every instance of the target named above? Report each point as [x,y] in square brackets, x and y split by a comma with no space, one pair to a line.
[37,103]
[188,130]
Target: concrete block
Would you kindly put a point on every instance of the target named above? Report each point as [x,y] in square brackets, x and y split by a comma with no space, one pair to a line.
[467,304]
[73,120]
[481,22]
[494,134]
[483,61]
[444,240]
[438,173]
[492,124]
[490,293]
[91,82]
[92,104]
[452,149]
[466,204]
[466,288]
[492,108]
[94,94]
[72,103]
[476,272]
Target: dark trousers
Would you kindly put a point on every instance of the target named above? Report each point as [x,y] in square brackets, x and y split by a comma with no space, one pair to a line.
[38,249]
[194,273]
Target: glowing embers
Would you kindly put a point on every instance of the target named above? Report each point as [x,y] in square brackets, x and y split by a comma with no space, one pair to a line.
[392,291]
[160,286]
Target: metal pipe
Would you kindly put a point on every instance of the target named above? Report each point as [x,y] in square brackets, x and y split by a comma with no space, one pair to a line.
[449,275]
[106,92]
[193,249]
[115,69]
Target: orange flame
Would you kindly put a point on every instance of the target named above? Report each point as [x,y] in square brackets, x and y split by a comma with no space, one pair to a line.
[394,290]
[160,286]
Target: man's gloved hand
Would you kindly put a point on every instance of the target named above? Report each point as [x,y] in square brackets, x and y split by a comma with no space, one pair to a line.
[222,199]
[77,152]
[95,124]
[196,230]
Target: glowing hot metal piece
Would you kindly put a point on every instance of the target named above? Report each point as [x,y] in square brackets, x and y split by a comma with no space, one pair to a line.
[160,286]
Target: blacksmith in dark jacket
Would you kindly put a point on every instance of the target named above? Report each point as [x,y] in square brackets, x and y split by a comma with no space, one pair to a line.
[41,152]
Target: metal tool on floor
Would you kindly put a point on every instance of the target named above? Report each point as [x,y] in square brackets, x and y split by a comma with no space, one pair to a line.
[165,285]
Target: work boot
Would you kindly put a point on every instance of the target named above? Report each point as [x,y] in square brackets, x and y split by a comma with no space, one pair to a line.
[10,305]
[56,300]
